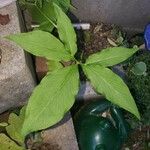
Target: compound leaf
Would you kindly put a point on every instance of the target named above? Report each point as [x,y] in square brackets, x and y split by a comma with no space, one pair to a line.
[66,31]
[7,144]
[51,99]
[111,56]
[111,86]
[42,44]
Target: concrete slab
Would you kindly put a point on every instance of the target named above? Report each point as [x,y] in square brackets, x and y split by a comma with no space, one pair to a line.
[16,78]
[61,136]
[132,15]
[5,2]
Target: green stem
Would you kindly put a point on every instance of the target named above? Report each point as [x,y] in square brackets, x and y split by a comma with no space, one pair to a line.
[78,62]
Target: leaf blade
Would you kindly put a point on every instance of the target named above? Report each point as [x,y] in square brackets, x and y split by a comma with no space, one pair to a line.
[112,86]
[43,11]
[66,31]
[111,56]
[51,99]
[45,26]
[42,44]
[53,65]
[7,144]
[15,126]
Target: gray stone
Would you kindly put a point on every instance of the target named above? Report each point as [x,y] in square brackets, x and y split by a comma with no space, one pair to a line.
[131,14]
[62,135]
[86,92]
[5,2]
[16,78]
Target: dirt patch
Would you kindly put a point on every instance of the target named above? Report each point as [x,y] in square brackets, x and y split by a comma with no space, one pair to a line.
[99,37]
[96,38]
[138,140]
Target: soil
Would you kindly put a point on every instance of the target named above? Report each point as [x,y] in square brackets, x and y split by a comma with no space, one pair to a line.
[138,140]
[97,38]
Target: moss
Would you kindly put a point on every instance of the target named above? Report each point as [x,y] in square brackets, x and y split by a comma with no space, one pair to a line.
[140,85]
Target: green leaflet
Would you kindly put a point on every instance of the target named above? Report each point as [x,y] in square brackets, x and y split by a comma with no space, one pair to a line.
[111,86]
[111,56]
[7,144]
[45,26]
[51,99]
[66,31]
[42,44]
[15,126]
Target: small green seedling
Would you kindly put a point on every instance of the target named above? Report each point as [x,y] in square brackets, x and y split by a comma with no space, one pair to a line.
[14,140]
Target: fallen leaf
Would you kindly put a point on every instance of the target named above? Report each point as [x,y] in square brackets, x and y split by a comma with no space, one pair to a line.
[111,42]
[98,28]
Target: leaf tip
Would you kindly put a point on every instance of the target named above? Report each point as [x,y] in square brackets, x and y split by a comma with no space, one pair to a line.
[10,37]
[138,116]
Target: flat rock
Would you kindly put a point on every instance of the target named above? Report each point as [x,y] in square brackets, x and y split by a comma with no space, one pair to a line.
[87,92]
[16,75]
[62,135]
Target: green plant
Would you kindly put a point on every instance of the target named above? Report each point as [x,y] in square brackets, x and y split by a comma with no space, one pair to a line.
[11,138]
[55,95]
[42,11]
[120,38]
[14,140]
[139,68]
[138,72]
